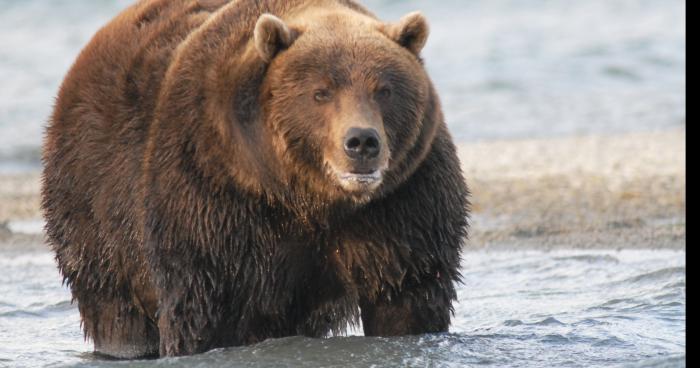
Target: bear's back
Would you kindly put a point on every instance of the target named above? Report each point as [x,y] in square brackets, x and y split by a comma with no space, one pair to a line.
[95,140]
[113,87]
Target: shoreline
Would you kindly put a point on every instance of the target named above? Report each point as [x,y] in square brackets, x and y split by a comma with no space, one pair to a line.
[622,191]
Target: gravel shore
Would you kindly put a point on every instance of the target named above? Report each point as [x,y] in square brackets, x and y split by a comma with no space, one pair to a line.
[623,191]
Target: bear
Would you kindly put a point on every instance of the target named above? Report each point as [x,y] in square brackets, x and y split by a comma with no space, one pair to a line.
[217,173]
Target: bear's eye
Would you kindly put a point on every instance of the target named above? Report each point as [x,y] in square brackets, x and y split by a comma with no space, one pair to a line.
[322,95]
[384,93]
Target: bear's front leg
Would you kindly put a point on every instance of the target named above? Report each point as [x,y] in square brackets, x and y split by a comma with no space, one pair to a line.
[420,309]
[182,327]
[189,316]
[408,261]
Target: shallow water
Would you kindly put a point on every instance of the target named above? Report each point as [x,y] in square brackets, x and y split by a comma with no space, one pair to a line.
[534,309]
[504,68]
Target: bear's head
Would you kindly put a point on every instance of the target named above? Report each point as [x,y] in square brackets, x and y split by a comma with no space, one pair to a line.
[347,99]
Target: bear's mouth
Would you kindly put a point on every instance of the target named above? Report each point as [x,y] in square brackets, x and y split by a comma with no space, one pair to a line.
[363,178]
[358,181]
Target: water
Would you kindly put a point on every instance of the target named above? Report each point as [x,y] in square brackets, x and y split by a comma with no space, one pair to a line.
[535,309]
[504,68]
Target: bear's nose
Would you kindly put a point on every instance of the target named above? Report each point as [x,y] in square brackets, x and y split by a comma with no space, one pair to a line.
[362,144]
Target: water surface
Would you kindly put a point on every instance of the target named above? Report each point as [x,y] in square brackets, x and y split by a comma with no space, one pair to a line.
[534,309]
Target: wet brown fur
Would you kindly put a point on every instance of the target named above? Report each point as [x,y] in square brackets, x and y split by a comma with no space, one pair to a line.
[188,200]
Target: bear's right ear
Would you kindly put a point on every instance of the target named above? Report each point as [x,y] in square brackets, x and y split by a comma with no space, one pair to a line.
[410,32]
[272,35]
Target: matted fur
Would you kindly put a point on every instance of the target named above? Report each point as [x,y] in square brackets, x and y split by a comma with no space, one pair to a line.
[186,193]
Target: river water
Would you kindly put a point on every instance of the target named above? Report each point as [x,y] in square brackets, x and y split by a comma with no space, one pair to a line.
[516,309]
[504,68]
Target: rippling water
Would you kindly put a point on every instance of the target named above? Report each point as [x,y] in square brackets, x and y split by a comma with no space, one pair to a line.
[504,68]
[534,309]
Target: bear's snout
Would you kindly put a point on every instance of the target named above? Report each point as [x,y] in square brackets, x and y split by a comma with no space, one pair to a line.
[362,144]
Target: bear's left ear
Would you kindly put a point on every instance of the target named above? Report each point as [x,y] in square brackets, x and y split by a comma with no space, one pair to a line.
[410,32]
[272,35]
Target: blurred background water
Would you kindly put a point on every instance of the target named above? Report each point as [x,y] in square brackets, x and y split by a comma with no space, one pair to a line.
[504,68]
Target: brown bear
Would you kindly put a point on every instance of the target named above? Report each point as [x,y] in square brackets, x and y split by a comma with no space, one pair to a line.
[217,173]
